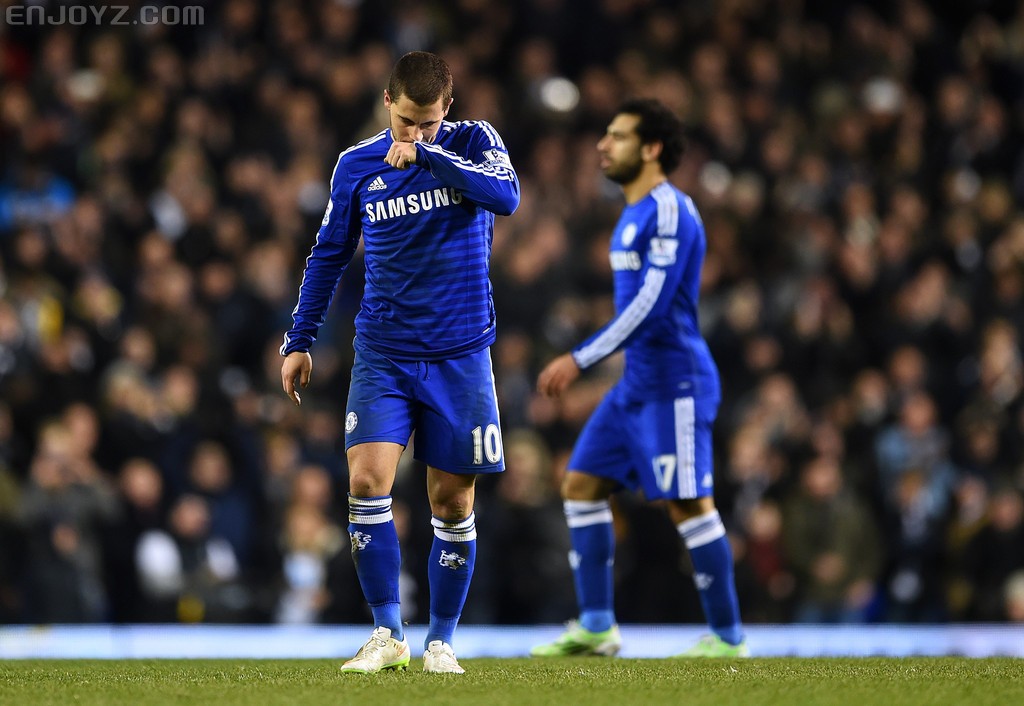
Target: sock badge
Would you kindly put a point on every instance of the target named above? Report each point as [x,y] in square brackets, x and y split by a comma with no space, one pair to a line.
[360,540]
[451,560]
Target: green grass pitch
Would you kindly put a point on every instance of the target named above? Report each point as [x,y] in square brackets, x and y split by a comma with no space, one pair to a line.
[573,681]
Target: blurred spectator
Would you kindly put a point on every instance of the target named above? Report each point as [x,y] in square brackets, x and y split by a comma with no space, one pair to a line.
[752,471]
[916,443]
[212,476]
[31,194]
[320,582]
[311,543]
[188,574]
[994,554]
[913,578]
[833,546]
[969,516]
[62,513]
[771,600]
[143,508]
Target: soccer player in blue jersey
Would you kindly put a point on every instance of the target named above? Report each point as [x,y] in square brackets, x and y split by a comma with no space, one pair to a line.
[423,195]
[652,432]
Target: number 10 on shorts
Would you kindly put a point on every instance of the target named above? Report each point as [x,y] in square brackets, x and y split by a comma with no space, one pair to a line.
[486,442]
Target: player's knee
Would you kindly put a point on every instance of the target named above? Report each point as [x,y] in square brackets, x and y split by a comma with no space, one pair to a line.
[451,496]
[583,486]
[366,486]
[452,509]
[682,510]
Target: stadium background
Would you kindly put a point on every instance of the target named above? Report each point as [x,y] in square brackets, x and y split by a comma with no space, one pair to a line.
[860,174]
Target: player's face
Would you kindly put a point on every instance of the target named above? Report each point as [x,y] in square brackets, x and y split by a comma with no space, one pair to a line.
[411,122]
[621,160]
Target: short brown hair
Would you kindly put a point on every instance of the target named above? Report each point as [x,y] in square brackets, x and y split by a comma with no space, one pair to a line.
[421,77]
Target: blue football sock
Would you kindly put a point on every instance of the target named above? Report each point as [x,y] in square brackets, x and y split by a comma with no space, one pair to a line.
[377,558]
[592,558]
[713,574]
[450,569]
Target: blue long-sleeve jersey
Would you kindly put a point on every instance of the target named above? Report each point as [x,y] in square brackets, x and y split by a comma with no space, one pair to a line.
[427,234]
[657,251]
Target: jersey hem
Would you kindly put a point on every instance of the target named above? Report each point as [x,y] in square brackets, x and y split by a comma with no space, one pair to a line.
[406,355]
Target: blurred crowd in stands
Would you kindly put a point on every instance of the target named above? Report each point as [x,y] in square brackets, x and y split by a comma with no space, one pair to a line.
[860,170]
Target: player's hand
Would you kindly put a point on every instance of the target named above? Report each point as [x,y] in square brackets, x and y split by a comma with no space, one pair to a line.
[558,375]
[401,155]
[296,365]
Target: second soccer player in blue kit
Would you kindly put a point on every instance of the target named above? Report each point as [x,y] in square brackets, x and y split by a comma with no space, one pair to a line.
[652,432]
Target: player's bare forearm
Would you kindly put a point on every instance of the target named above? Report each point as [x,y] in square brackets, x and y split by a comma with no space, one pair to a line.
[296,365]
[558,375]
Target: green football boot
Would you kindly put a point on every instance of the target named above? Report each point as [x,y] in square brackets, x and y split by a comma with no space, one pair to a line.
[576,640]
[714,646]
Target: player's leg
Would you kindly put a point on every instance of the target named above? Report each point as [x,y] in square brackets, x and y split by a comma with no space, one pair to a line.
[701,528]
[371,527]
[589,516]
[458,437]
[376,554]
[692,508]
[377,426]
[585,496]
[451,563]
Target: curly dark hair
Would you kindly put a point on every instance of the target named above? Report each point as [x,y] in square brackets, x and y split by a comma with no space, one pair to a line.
[658,124]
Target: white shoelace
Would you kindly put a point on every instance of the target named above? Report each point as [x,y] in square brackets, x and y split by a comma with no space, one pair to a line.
[373,645]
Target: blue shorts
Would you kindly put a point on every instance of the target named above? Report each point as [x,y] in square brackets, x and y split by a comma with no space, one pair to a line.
[663,446]
[450,404]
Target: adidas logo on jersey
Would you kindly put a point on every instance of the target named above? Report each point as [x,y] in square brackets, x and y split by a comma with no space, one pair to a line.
[377,185]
